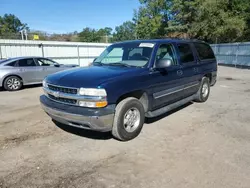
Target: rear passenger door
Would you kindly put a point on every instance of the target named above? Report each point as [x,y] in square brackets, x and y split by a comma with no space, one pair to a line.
[190,69]
[29,71]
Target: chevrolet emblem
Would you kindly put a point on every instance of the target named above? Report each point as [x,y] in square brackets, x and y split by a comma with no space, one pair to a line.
[56,94]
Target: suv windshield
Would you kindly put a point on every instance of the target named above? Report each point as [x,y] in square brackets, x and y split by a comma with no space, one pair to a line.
[135,54]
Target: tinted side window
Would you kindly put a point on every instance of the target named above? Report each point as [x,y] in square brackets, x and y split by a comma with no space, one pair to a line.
[12,64]
[204,51]
[26,62]
[186,54]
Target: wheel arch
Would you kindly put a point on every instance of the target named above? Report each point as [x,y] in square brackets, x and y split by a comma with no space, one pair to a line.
[11,75]
[141,95]
[209,76]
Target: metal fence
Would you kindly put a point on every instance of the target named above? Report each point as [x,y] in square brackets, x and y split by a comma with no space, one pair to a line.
[233,54]
[62,52]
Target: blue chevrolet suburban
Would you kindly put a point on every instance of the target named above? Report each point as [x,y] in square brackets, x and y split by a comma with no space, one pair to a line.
[129,81]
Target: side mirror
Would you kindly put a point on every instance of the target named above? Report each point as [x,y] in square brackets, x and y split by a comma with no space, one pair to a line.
[57,65]
[164,63]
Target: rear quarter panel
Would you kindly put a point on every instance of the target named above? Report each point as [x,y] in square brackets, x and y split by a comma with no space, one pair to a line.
[6,71]
[26,76]
[206,66]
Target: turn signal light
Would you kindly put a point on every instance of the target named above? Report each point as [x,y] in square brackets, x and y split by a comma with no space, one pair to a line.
[101,104]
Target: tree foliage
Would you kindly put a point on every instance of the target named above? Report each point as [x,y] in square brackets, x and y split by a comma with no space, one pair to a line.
[126,31]
[210,20]
[93,35]
[10,24]
[152,18]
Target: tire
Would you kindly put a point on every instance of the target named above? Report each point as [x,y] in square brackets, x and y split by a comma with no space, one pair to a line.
[204,90]
[12,83]
[129,107]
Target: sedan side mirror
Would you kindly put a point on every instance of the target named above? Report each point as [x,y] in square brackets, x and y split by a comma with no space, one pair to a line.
[163,63]
[57,65]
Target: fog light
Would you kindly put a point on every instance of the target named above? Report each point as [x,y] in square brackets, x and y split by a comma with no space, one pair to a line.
[98,104]
[87,104]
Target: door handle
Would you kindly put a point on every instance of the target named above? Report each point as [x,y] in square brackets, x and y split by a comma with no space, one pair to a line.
[179,72]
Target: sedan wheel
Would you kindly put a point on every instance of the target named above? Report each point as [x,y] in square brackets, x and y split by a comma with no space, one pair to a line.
[12,83]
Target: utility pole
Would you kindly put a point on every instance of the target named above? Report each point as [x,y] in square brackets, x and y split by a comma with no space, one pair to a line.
[21,33]
[25,33]
[106,38]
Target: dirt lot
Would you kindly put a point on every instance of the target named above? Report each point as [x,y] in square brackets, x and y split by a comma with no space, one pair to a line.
[197,146]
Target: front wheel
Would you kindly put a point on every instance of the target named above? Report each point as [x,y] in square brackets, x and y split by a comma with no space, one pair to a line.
[12,83]
[128,120]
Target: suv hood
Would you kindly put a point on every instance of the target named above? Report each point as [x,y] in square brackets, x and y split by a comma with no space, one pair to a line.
[89,77]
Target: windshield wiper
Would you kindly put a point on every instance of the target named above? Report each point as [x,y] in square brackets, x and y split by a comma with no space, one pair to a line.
[121,64]
[98,63]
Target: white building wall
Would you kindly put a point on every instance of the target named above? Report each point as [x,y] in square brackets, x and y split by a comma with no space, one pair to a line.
[62,52]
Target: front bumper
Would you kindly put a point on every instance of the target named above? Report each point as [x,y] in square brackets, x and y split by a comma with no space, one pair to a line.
[85,118]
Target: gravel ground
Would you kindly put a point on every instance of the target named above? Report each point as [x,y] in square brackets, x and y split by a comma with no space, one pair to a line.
[196,146]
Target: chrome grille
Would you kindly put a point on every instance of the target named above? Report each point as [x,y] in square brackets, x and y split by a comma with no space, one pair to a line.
[63,100]
[62,89]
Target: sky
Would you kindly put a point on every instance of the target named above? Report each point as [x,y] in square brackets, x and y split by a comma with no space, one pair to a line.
[63,16]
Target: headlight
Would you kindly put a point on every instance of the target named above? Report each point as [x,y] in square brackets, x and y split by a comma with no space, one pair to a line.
[93,92]
[45,83]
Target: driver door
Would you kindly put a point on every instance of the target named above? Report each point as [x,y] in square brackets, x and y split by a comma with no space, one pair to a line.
[168,82]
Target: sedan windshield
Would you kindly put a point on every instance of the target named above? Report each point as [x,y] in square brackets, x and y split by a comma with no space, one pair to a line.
[133,54]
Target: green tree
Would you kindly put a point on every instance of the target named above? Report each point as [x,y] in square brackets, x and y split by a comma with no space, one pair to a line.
[104,34]
[242,8]
[93,35]
[217,21]
[89,35]
[183,13]
[11,25]
[105,31]
[152,18]
[210,20]
[126,31]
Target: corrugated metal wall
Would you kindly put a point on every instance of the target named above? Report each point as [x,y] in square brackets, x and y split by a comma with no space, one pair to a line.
[84,53]
[62,52]
[236,54]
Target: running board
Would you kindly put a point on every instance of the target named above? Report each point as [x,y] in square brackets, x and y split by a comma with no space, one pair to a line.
[170,107]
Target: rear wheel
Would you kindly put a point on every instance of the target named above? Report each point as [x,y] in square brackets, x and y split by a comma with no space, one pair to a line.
[204,90]
[12,83]
[129,119]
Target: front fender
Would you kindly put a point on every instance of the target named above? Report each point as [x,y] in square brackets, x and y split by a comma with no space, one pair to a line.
[123,85]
